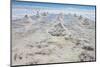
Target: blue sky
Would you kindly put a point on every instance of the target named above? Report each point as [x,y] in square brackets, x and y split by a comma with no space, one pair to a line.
[85,10]
[51,5]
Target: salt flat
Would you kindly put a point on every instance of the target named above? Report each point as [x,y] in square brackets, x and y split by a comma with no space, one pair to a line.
[52,38]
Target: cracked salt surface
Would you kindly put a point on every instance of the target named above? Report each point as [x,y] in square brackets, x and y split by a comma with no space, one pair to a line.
[52,39]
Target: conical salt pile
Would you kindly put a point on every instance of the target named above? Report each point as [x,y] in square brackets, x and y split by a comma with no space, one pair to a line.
[59,29]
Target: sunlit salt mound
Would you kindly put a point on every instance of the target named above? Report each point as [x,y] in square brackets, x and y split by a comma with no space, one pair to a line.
[24,24]
[44,13]
[75,22]
[87,23]
[27,19]
[58,28]
[23,21]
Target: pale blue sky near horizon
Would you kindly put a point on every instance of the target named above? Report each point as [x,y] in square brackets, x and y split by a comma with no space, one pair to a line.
[85,10]
[51,5]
